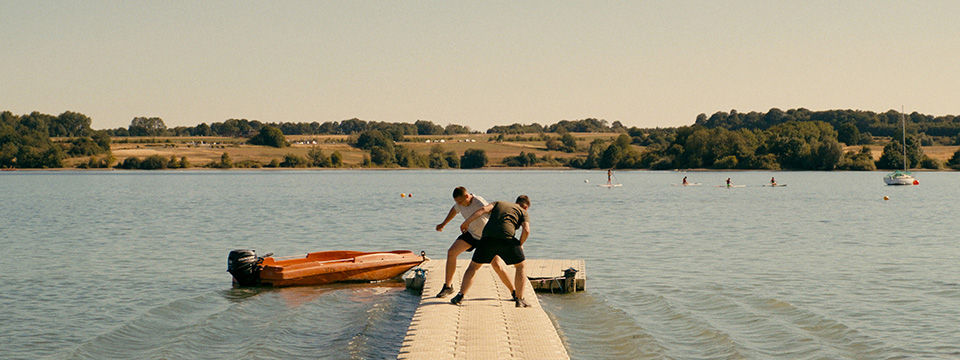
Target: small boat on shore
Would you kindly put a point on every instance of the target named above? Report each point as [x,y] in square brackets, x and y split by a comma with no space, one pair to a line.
[323,267]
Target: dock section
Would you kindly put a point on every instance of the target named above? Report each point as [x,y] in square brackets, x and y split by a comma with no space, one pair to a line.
[546,275]
[487,325]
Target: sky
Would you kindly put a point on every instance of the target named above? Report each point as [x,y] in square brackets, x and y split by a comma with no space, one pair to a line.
[474,63]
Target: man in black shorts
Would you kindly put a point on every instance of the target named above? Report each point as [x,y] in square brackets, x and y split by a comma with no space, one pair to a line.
[498,240]
[466,205]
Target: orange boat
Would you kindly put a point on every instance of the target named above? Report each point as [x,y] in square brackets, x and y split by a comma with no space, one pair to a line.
[319,267]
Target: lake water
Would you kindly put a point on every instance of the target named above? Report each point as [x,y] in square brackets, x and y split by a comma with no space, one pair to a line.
[132,264]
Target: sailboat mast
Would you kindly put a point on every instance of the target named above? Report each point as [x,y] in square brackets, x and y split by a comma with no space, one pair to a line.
[903,121]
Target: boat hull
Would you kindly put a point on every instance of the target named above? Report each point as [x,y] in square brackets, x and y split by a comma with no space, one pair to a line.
[337,266]
[900,180]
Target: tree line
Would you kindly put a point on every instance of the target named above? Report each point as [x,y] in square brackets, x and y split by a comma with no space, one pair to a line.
[141,126]
[854,127]
[794,139]
[153,126]
[25,140]
[792,145]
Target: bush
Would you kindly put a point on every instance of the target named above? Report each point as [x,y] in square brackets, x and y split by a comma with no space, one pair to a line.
[453,161]
[248,164]
[130,163]
[665,163]
[521,160]
[769,162]
[318,159]
[225,162]
[173,163]
[435,159]
[727,162]
[336,159]
[407,158]
[381,156]
[269,136]
[954,161]
[860,161]
[85,146]
[553,144]
[294,161]
[930,163]
[374,138]
[96,163]
[154,162]
[568,143]
[473,159]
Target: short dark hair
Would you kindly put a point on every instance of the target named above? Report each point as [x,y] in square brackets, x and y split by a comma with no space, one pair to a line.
[523,200]
[459,191]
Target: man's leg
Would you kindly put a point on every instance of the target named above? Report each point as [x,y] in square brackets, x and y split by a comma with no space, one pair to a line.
[520,279]
[501,269]
[458,247]
[466,282]
[468,276]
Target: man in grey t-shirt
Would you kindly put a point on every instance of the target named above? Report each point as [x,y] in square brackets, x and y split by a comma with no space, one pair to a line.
[466,205]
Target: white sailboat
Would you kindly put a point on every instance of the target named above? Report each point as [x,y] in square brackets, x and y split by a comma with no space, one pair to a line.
[904,177]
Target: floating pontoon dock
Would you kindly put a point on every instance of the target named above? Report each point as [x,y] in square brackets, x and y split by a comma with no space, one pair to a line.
[487,325]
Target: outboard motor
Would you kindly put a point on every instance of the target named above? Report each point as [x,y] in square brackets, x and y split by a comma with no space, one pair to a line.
[570,280]
[245,267]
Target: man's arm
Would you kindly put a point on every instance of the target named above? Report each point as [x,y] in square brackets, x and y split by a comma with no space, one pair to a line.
[476,215]
[450,215]
[525,233]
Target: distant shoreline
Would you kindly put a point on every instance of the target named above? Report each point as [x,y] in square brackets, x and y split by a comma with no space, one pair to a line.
[203,154]
[490,168]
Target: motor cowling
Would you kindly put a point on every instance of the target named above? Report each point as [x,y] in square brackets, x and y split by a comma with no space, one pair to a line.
[570,280]
[245,267]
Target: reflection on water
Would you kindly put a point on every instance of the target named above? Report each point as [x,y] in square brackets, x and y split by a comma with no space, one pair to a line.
[131,264]
[323,321]
[238,294]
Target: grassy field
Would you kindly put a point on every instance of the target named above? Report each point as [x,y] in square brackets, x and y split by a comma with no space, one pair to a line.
[200,151]
[942,153]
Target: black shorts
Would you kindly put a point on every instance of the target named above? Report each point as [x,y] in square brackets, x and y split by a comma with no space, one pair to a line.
[508,249]
[470,240]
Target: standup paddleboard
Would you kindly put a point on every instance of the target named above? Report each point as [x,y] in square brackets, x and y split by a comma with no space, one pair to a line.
[610,185]
[770,185]
[690,184]
[731,186]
